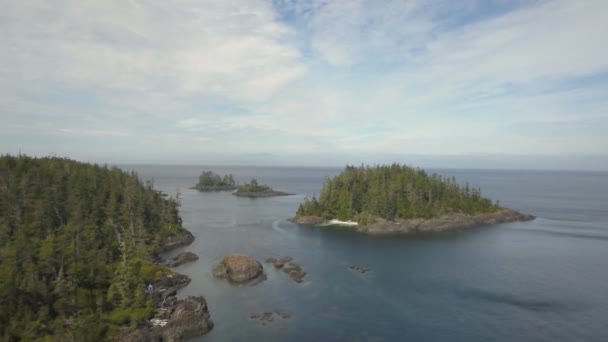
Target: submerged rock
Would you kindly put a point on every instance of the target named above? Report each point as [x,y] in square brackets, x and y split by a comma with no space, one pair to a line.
[271,193]
[359,269]
[269,316]
[238,268]
[293,269]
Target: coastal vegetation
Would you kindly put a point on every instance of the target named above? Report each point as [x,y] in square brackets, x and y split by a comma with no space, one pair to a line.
[211,181]
[391,192]
[254,186]
[254,189]
[76,248]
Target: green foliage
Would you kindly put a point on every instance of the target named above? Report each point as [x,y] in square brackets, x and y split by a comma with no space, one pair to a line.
[253,186]
[76,242]
[209,179]
[390,192]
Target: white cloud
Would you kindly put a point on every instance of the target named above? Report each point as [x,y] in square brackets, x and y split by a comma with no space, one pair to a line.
[236,50]
[357,77]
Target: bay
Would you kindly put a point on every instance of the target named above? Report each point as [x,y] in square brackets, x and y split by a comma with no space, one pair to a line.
[544,280]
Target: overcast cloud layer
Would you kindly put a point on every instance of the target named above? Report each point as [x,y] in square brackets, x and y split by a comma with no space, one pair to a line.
[475,83]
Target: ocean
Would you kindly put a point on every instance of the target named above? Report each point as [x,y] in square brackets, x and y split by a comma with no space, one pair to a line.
[544,280]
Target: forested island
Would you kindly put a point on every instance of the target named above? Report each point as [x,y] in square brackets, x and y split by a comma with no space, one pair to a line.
[77,249]
[211,181]
[253,190]
[400,199]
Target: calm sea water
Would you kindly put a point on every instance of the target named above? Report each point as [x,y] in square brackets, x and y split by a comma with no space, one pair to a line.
[545,280]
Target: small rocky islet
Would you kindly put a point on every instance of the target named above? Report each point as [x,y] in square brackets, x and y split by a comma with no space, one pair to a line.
[398,199]
[239,268]
[210,181]
[255,190]
[290,267]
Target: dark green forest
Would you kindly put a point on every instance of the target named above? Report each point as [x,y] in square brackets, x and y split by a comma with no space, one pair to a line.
[254,186]
[390,192]
[76,244]
[210,179]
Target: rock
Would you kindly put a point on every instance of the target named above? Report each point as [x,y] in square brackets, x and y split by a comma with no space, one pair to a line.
[182,258]
[164,290]
[297,275]
[272,193]
[215,188]
[359,269]
[186,319]
[284,260]
[290,267]
[308,220]
[179,239]
[238,268]
[269,316]
[446,222]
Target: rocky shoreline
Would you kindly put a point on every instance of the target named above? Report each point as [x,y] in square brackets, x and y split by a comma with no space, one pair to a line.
[215,188]
[261,194]
[447,222]
[178,320]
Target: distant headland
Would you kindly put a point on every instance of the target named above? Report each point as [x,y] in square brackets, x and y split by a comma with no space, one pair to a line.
[397,199]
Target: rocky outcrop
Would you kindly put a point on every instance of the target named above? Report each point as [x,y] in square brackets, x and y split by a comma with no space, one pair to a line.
[269,316]
[179,239]
[186,319]
[290,267]
[359,269]
[176,320]
[239,268]
[215,188]
[272,193]
[181,259]
[308,220]
[164,290]
[447,222]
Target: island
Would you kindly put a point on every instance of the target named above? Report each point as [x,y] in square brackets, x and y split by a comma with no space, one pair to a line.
[211,181]
[398,199]
[254,190]
[79,245]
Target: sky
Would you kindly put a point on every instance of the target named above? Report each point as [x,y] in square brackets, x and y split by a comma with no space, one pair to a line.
[470,84]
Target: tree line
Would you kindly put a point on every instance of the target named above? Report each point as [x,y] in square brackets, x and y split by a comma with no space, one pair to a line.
[210,179]
[390,192]
[254,186]
[76,244]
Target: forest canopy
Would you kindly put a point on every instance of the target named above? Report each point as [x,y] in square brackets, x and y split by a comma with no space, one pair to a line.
[76,244]
[209,180]
[254,186]
[393,191]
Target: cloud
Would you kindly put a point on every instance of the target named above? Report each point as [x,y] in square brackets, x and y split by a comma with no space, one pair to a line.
[357,79]
[235,50]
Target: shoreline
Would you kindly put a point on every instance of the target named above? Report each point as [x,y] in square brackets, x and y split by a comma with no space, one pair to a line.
[176,320]
[215,188]
[262,194]
[443,223]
